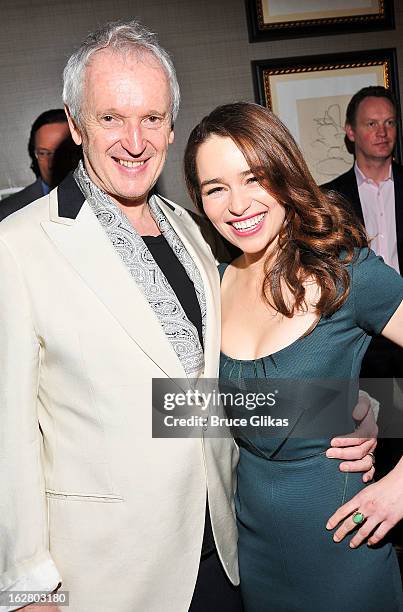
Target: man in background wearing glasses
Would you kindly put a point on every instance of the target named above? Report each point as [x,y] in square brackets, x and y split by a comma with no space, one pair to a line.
[53,155]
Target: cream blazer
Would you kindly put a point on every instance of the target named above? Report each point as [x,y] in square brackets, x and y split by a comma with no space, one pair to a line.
[87,497]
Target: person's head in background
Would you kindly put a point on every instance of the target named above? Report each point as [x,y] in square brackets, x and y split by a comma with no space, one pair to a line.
[51,148]
[371,125]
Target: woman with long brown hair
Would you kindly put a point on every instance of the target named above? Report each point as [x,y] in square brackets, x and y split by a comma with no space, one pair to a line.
[300,303]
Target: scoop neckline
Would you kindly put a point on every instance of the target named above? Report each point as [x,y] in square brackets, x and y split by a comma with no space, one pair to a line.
[305,335]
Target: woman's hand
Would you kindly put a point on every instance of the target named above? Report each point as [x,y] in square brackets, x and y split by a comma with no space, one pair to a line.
[358,450]
[380,503]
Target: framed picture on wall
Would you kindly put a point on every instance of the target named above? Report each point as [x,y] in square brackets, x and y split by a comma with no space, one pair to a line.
[310,95]
[274,19]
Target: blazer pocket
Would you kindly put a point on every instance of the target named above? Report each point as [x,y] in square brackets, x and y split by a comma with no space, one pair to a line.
[68,496]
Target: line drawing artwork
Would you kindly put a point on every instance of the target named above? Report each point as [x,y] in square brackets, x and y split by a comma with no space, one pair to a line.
[330,154]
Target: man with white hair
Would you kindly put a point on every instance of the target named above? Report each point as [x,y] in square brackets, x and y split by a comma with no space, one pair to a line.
[103,288]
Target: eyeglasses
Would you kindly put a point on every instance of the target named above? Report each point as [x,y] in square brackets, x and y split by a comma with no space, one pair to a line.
[44,154]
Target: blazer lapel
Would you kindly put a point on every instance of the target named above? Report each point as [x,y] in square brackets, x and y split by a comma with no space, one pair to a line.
[352,193]
[398,182]
[201,254]
[84,244]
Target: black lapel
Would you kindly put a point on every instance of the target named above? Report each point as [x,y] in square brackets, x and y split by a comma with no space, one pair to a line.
[163,199]
[398,185]
[69,198]
[352,194]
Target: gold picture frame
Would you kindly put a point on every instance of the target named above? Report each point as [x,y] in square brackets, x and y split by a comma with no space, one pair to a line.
[274,19]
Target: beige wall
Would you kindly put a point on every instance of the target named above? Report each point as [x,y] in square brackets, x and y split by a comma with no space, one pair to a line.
[208,40]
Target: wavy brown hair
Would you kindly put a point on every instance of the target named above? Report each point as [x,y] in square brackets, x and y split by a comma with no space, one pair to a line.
[319,236]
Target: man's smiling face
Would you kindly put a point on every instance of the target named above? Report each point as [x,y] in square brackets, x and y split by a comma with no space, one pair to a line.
[125,126]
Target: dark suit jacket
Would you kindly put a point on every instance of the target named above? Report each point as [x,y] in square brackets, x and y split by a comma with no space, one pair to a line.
[346,185]
[20,199]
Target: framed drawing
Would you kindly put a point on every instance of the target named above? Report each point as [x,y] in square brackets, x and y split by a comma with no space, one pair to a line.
[274,19]
[310,95]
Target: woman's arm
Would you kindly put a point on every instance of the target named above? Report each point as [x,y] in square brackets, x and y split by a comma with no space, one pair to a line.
[393,329]
[381,504]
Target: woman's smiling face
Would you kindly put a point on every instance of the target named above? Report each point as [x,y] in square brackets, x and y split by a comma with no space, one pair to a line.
[236,204]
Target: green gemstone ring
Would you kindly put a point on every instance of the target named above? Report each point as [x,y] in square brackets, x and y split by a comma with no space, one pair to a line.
[358,518]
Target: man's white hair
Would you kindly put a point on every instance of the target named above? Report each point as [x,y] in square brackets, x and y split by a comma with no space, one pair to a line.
[121,36]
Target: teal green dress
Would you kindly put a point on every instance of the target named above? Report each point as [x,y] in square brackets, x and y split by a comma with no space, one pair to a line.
[288,488]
